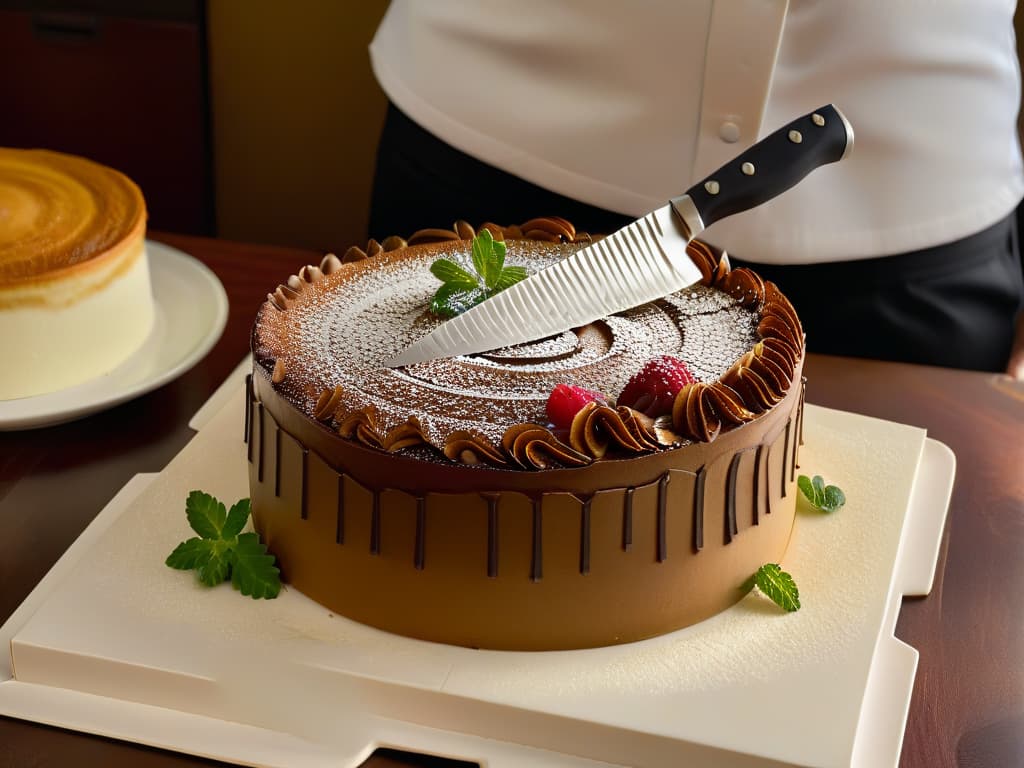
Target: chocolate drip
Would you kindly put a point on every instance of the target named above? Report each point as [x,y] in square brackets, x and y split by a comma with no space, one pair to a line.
[758,457]
[259,463]
[421,532]
[339,531]
[375,524]
[492,534]
[792,456]
[585,536]
[627,520]
[536,564]
[248,416]
[731,528]
[303,506]
[698,510]
[800,409]
[277,460]
[785,458]
[768,481]
[662,516]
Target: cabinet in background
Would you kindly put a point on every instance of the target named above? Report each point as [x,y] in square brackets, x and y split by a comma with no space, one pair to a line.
[123,83]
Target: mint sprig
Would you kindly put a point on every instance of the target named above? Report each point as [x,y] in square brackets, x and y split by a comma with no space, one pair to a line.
[461,289]
[775,584]
[824,498]
[222,551]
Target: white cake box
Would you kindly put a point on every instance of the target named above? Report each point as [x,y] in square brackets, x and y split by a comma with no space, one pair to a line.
[113,642]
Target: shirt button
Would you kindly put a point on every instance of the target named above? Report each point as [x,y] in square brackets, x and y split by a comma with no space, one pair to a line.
[729,131]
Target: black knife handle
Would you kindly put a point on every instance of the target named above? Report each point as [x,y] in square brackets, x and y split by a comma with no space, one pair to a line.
[768,168]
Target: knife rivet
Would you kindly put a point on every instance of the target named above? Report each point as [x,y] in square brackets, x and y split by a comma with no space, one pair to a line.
[796,137]
[748,169]
[817,119]
[712,187]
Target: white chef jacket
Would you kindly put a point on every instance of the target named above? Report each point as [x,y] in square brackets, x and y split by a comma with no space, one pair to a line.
[623,105]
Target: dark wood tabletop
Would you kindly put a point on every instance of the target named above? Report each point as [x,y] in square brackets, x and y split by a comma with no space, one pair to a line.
[967,708]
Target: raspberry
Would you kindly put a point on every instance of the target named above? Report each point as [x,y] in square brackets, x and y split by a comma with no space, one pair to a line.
[654,388]
[566,400]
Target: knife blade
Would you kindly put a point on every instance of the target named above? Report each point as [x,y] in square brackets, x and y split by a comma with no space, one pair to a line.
[645,260]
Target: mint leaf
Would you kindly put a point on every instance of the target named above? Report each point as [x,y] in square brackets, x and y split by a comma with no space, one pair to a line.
[509,276]
[190,554]
[777,585]
[483,255]
[460,289]
[498,253]
[824,498]
[442,304]
[451,300]
[447,271]
[217,568]
[205,514]
[223,551]
[254,572]
[834,499]
[804,484]
[237,517]
[819,490]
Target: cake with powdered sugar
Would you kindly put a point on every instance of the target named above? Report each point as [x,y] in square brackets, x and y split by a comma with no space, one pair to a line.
[611,483]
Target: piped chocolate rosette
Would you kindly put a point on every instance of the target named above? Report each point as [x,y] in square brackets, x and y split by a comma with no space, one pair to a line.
[682,369]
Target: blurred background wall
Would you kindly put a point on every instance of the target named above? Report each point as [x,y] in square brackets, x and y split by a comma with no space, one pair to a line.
[296,114]
[254,120]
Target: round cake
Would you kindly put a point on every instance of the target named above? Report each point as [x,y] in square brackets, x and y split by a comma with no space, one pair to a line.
[75,298]
[443,501]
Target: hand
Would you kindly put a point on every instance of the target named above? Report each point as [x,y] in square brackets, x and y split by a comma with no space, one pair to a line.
[1015,367]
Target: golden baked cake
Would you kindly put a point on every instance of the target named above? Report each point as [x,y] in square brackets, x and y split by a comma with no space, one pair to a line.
[616,482]
[75,297]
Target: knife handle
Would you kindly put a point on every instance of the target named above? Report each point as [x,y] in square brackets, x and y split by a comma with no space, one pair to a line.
[766,169]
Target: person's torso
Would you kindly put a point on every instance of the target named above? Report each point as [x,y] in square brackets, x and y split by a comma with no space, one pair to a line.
[624,105]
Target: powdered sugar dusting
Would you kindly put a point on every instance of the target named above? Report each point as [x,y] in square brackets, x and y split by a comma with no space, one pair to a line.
[341,328]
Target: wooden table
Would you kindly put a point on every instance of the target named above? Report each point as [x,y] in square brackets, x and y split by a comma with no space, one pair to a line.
[968,702]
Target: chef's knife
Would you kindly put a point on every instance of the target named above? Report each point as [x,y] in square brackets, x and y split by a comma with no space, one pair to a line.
[645,260]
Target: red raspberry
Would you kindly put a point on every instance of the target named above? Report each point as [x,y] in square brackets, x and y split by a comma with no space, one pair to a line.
[566,400]
[654,388]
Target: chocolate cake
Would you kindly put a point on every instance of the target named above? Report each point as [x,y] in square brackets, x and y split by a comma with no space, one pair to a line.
[438,501]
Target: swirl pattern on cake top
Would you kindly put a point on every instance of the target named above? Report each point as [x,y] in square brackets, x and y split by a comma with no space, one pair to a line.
[325,333]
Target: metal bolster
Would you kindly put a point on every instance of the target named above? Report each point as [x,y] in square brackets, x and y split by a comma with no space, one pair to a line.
[849,133]
[688,215]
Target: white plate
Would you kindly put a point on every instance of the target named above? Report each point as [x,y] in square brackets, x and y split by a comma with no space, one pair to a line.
[191,310]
